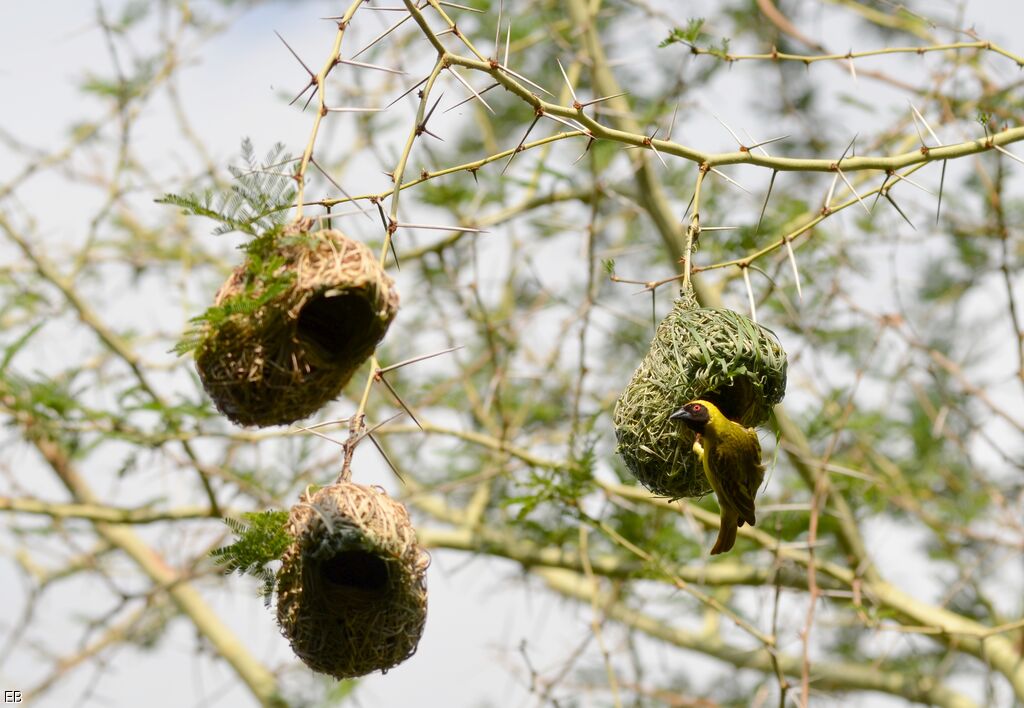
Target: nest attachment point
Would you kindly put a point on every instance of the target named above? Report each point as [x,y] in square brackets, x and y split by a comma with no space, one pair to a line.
[351,591]
[286,359]
[715,354]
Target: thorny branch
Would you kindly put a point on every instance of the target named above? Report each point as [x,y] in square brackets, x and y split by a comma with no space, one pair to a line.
[506,423]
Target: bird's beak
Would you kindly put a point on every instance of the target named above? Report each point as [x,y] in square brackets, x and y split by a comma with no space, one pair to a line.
[681,414]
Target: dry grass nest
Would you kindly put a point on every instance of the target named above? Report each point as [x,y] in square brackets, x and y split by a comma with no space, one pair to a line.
[351,591]
[285,359]
[714,354]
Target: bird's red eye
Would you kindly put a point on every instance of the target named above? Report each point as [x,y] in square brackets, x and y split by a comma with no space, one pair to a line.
[696,407]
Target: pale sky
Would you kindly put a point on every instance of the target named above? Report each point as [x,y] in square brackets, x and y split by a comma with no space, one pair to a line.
[480,610]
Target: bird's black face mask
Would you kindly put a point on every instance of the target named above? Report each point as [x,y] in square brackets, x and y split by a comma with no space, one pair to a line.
[694,415]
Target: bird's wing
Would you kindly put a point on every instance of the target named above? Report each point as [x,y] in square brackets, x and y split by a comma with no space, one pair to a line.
[739,471]
[755,472]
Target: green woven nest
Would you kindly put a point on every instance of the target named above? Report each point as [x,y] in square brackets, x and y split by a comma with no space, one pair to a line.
[351,591]
[714,354]
[286,359]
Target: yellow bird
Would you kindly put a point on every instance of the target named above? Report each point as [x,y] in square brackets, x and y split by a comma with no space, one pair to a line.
[731,455]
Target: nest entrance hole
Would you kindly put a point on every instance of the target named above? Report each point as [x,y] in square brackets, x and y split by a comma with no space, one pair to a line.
[734,399]
[332,322]
[358,570]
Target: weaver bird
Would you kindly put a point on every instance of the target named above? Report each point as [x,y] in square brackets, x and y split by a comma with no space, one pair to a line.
[731,456]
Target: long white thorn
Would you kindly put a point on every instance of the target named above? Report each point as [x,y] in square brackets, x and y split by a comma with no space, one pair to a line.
[504,67]
[831,191]
[470,88]
[907,179]
[859,200]
[729,179]
[750,294]
[1009,154]
[927,127]
[735,137]
[796,271]
[497,27]
[565,76]
[508,41]
[375,67]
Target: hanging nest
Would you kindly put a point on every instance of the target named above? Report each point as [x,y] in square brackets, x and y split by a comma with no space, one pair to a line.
[714,354]
[320,315]
[351,591]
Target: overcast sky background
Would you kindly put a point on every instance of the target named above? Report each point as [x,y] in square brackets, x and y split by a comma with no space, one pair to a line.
[480,611]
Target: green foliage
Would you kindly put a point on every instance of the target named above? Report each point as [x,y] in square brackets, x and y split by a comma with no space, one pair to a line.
[123,88]
[688,36]
[448,192]
[602,153]
[340,691]
[261,539]
[563,487]
[694,37]
[256,203]
[131,15]
[55,406]
[894,338]
[657,532]
[266,281]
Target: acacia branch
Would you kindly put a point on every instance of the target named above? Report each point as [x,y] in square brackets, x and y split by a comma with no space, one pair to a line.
[743,156]
[529,554]
[951,629]
[111,340]
[257,678]
[103,513]
[827,675]
[808,59]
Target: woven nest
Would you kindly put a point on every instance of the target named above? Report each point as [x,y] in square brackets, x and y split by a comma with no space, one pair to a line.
[352,594]
[284,360]
[714,354]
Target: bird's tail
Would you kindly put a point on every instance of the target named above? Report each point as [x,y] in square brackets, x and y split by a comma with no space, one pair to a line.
[727,531]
